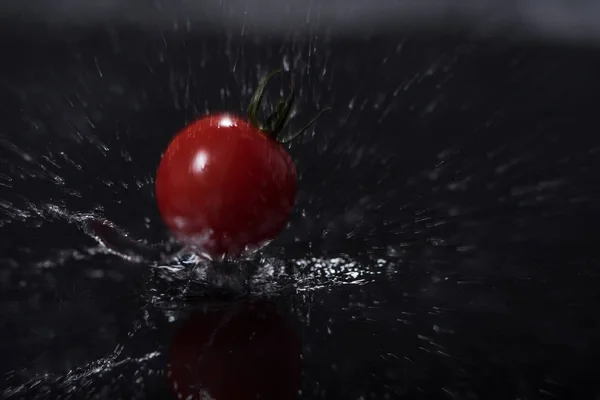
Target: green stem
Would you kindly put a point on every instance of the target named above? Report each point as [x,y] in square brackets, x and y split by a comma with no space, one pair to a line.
[279,117]
[301,131]
[257,99]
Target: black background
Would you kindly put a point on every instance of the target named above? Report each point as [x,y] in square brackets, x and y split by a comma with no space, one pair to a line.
[468,164]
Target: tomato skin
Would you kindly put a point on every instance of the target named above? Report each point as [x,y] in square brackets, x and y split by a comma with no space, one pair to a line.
[240,351]
[224,185]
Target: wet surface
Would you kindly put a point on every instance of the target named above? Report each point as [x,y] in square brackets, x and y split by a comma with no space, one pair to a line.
[444,243]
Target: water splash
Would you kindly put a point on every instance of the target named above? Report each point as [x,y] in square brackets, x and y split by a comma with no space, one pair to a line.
[438,212]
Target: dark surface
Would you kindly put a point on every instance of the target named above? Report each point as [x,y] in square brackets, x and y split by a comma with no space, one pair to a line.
[470,166]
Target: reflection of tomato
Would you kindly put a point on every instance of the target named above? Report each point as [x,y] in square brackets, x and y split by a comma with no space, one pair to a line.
[238,351]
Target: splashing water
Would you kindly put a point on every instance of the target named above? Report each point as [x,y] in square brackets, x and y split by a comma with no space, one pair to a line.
[437,249]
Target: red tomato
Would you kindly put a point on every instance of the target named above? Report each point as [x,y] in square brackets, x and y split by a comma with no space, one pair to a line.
[225,185]
[238,351]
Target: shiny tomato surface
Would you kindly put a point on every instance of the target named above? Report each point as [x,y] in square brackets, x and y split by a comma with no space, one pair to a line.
[225,186]
[238,351]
